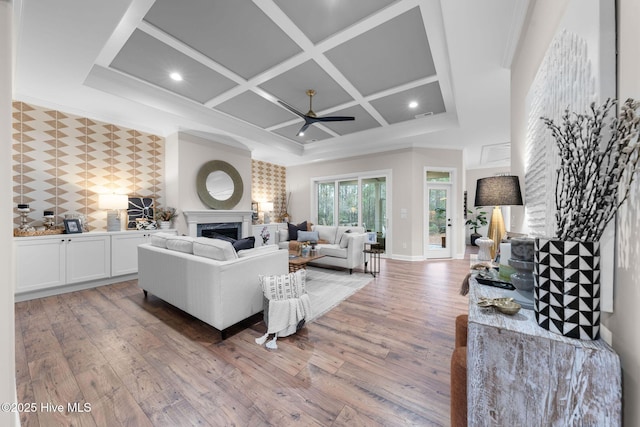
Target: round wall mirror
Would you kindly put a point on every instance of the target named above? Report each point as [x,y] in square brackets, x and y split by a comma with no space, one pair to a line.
[219,185]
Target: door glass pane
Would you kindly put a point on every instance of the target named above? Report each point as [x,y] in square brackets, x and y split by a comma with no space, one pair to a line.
[374,203]
[437,218]
[348,202]
[326,195]
[438,176]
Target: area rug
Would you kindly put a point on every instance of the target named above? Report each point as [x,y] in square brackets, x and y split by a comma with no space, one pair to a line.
[327,288]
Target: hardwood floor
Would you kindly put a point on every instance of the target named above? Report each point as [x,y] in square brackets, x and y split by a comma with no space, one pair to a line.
[380,358]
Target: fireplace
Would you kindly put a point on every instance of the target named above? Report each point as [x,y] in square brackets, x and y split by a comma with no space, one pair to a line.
[228,229]
[237,222]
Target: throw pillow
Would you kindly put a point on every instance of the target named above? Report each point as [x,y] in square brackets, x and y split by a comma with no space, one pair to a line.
[293,229]
[217,249]
[284,286]
[344,239]
[221,237]
[246,243]
[308,236]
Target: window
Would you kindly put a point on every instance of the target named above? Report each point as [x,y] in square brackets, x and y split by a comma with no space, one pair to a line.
[326,195]
[361,201]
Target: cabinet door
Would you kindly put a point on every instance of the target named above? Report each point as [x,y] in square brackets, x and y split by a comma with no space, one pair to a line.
[124,252]
[40,264]
[88,258]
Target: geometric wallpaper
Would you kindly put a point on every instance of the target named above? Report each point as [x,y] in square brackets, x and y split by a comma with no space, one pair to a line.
[269,184]
[62,162]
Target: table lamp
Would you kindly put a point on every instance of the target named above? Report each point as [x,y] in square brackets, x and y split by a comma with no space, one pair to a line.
[267,208]
[113,203]
[498,191]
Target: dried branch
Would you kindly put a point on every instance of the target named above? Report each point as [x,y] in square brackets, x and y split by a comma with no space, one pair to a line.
[598,164]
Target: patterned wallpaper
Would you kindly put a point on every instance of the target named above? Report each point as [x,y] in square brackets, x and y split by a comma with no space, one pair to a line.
[269,184]
[61,162]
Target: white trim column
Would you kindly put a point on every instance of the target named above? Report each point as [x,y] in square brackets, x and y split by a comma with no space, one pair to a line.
[7,286]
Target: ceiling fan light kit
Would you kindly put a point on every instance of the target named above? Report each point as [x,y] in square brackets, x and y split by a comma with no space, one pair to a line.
[311,117]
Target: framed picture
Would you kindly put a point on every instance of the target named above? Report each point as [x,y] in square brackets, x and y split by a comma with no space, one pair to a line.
[72,226]
[372,237]
[140,210]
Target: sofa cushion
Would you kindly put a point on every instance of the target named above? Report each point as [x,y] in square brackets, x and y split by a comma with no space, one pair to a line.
[246,243]
[333,251]
[180,244]
[293,229]
[160,239]
[308,236]
[326,233]
[344,239]
[283,235]
[256,251]
[284,286]
[217,249]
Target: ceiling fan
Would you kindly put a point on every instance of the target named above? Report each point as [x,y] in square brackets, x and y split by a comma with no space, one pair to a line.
[311,118]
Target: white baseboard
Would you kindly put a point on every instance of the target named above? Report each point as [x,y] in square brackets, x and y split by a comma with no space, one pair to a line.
[47,292]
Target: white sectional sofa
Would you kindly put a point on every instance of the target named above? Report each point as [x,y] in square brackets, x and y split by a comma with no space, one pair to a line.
[206,277]
[341,246]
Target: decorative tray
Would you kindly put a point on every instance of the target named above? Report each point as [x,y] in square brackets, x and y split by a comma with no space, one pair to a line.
[496,283]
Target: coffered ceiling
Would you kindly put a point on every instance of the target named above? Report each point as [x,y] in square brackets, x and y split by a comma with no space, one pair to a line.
[364,58]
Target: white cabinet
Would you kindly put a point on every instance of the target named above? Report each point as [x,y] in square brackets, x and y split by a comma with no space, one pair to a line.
[75,261]
[40,263]
[124,251]
[270,230]
[87,258]
[50,261]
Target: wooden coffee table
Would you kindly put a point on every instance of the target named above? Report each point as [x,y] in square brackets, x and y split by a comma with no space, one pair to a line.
[296,262]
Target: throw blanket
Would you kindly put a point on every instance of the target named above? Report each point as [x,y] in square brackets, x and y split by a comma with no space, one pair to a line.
[285,315]
[288,305]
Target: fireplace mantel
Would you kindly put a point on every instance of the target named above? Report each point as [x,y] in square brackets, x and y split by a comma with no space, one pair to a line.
[210,216]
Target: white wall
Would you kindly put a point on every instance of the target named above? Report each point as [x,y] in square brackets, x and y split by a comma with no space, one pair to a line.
[185,154]
[623,323]
[407,188]
[7,328]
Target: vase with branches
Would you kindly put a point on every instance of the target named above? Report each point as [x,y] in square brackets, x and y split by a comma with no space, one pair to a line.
[598,163]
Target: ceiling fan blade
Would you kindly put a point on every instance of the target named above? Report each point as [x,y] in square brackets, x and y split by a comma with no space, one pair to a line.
[303,128]
[334,119]
[293,110]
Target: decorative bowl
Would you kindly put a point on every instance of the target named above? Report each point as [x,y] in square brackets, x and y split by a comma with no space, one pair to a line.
[507,307]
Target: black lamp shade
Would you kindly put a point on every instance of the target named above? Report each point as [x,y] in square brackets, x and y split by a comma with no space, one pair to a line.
[498,191]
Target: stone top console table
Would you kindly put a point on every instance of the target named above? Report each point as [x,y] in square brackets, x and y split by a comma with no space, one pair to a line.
[521,374]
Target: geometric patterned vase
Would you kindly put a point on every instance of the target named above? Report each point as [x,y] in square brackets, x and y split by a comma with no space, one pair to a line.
[567,287]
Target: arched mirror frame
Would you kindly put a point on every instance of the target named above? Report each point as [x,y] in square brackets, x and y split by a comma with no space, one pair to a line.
[203,191]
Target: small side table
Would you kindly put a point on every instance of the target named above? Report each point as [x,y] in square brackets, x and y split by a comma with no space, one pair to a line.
[374,255]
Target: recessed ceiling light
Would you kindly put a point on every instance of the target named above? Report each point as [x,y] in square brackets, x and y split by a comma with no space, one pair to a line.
[413,104]
[176,76]
[301,134]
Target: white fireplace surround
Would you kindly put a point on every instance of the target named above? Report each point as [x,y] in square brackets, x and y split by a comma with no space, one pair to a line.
[211,216]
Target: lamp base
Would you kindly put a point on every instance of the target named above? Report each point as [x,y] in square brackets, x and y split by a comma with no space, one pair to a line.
[496,230]
[113,221]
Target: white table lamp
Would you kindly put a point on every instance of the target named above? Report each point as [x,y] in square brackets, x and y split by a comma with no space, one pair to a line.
[113,203]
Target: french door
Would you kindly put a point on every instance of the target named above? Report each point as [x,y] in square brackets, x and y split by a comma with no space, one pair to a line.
[438,227]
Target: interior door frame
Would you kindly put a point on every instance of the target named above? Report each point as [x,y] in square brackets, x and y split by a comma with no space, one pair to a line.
[453,231]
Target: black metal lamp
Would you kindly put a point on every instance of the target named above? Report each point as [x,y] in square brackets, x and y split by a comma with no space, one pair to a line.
[498,191]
